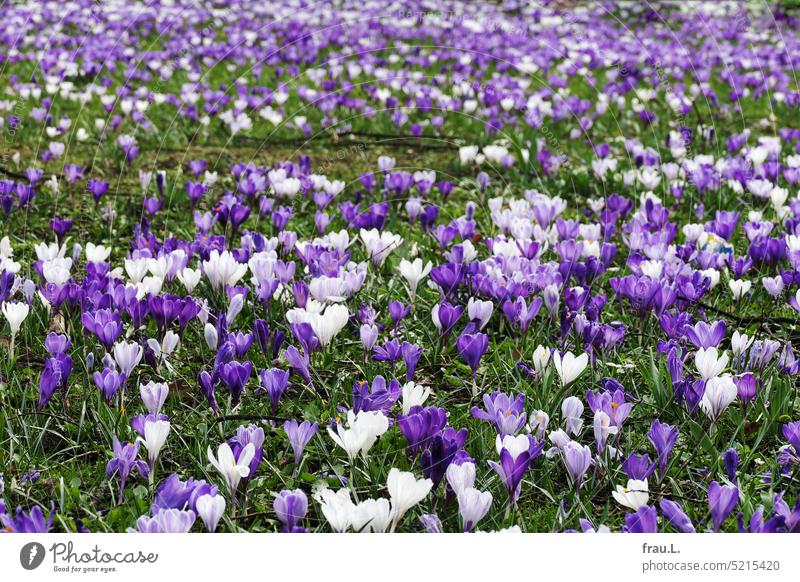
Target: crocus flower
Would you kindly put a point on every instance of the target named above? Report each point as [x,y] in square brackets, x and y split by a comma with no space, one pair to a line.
[633,496]
[577,459]
[572,410]
[231,468]
[235,376]
[413,273]
[569,366]
[32,521]
[674,514]
[55,376]
[153,439]
[445,317]
[414,395]
[124,463]
[363,431]
[274,382]
[290,508]
[505,412]
[720,392]
[15,313]
[644,520]
[663,437]
[154,394]
[405,491]
[517,453]
[127,356]
[167,521]
[337,507]
[299,436]
[109,382]
[710,363]
[473,505]
[472,347]
[722,500]
[745,387]
[731,460]
[210,508]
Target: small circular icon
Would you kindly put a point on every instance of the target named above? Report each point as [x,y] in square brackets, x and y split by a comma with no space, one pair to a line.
[31,555]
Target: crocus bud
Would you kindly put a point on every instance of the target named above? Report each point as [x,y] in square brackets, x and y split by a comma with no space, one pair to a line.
[211,336]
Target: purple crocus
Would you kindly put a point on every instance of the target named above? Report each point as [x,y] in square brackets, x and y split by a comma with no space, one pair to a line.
[299,362]
[421,424]
[411,354]
[445,316]
[663,437]
[32,521]
[274,382]
[109,382]
[97,188]
[398,312]
[124,463]
[731,460]
[103,323]
[704,335]
[472,346]
[517,453]
[55,376]
[380,396]
[299,436]
[235,376]
[674,514]
[645,520]
[638,466]
[504,411]
[290,508]
[577,459]
[722,500]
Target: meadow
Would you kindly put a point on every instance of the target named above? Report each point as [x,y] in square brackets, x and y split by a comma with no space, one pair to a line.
[450,266]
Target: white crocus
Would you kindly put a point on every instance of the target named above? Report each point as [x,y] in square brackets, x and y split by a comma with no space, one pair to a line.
[154,394]
[97,253]
[414,395]
[371,515]
[633,496]
[473,505]
[405,491]
[211,336]
[127,355]
[337,507]
[57,271]
[569,366]
[413,273]
[541,357]
[136,270]
[379,244]
[15,313]
[222,269]
[155,435]
[210,508]
[720,392]
[710,362]
[326,324]
[740,343]
[231,468]
[189,278]
[739,287]
[461,477]
[480,310]
[363,431]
